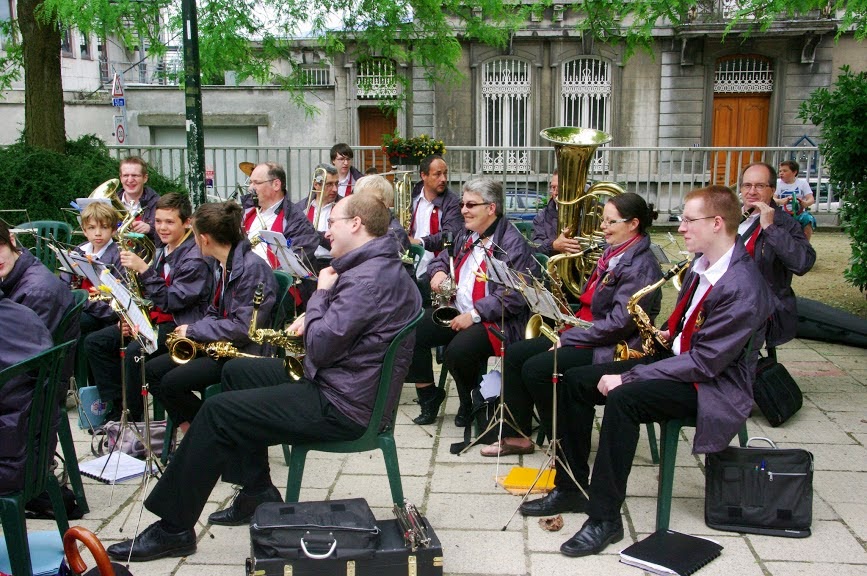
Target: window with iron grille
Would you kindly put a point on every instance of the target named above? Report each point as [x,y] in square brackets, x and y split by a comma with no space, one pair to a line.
[586,98]
[313,77]
[376,78]
[743,74]
[505,119]
[84,47]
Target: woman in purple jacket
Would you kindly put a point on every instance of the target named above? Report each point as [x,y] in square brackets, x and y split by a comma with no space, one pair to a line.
[218,233]
[626,266]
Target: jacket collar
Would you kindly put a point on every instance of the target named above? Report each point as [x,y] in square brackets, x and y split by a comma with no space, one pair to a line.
[381,247]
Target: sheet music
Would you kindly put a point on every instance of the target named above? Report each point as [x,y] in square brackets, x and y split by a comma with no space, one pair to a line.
[66,263]
[83,266]
[500,273]
[130,310]
[288,260]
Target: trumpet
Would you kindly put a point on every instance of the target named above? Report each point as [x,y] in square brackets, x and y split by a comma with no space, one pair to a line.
[444,313]
[182,350]
[292,344]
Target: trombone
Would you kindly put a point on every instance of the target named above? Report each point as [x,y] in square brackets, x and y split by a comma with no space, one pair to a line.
[321,174]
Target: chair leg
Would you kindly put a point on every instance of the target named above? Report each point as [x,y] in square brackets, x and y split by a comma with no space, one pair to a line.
[651,437]
[15,533]
[53,488]
[743,436]
[67,446]
[392,468]
[159,411]
[287,453]
[169,438]
[296,473]
[668,432]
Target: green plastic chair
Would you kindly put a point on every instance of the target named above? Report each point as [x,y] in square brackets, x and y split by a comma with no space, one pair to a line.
[417,253]
[284,307]
[64,433]
[372,439]
[48,229]
[38,476]
[669,435]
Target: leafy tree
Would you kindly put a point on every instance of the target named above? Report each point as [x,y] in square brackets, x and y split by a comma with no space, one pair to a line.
[839,112]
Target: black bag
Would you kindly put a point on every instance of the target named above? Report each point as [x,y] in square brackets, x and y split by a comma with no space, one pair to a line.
[484,410]
[760,490]
[776,393]
[392,557]
[309,529]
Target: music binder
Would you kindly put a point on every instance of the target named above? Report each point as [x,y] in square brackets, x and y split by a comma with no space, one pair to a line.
[671,553]
[113,468]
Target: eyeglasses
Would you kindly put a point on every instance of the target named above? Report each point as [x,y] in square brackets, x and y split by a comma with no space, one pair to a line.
[689,221]
[746,187]
[331,221]
[136,176]
[260,182]
[471,205]
[618,221]
[342,159]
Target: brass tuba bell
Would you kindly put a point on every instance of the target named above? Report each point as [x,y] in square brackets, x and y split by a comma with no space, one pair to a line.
[579,212]
[108,190]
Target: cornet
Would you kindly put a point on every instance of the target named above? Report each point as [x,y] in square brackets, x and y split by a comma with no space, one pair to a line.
[445,293]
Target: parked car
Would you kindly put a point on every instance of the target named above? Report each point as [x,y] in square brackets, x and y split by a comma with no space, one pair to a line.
[523,204]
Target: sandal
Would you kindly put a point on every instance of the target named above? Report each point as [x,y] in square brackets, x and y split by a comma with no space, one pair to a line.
[505,449]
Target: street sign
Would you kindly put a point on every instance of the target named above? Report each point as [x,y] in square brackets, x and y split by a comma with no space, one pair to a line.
[120,128]
[117,87]
[118,102]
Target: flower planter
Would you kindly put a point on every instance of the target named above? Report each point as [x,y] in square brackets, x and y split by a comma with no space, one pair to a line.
[403,161]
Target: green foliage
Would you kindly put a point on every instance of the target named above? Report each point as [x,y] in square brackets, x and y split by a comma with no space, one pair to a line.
[417,148]
[43,182]
[840,114]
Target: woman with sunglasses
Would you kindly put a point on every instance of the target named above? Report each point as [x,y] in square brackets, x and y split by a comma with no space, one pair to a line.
[486,310]
[626,266]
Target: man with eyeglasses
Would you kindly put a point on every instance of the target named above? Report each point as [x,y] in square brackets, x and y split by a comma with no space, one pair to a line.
[347,174]
[261,407]
[545,237]
[777,243]
[484,308]
[327,188]
[267,207]
[137,197]
[715,332]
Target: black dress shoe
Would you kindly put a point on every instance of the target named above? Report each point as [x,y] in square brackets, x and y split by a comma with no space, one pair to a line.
[153,543]
[557,501]
[241,510]
[430,408]
[464,416]
[593,537]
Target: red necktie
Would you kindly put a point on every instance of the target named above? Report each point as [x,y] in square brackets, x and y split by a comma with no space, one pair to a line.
[310,213]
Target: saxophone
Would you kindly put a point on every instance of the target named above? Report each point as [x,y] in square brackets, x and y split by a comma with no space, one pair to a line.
[182,350]
[652,341]
[292,344]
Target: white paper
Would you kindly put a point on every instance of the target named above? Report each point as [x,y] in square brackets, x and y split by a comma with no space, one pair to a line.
[131,312]
[89,268]
[289,261]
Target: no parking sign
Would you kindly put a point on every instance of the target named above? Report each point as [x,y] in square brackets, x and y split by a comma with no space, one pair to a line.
[120,128]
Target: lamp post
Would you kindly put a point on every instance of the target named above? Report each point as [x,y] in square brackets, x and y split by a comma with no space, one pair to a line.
[193,104]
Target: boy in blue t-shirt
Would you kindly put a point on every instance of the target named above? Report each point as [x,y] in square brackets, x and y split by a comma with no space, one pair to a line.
[795,196]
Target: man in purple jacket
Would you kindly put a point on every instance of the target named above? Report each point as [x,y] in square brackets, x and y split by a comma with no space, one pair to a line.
[545,237]
[17,345]
[715,332]
[345,346]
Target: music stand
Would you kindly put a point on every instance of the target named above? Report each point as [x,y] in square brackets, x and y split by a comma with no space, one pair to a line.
[288,260]
[541,301]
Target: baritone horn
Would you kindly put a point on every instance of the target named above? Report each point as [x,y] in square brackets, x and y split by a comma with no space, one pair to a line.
[292,344]
[579,210]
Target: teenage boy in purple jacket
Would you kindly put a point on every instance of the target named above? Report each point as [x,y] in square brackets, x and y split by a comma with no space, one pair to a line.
[345,346]
[715,332]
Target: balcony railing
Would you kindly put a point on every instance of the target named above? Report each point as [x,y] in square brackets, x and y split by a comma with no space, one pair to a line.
[660,175]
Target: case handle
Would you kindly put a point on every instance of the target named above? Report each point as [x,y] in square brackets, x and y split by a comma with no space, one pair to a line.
[768,440]
[319,556]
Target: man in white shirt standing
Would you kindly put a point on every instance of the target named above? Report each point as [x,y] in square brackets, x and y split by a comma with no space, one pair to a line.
[348,175]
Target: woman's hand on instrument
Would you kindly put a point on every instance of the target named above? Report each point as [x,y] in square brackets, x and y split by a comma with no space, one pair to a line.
[182,330]
[125,330]
[416,241]
[133,261]
[665,335]
[297,327]
[141,227]
[461,322]
[566,245]
[608,383]
[437,280]
[327,278]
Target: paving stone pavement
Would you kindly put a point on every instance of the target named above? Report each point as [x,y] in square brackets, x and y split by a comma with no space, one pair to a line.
[469,511]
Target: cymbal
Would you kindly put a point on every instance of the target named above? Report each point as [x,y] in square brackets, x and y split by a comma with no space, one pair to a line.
[246,167]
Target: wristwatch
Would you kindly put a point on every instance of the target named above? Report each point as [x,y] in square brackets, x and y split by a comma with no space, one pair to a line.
[475,316]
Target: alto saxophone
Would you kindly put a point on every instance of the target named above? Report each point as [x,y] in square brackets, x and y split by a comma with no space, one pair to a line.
[182,350]
[292,344]
[652,341]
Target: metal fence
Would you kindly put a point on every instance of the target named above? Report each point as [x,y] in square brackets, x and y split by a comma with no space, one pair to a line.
[661,175]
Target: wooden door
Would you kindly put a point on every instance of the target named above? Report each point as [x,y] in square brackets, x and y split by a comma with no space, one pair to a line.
[373,123]
[739,120]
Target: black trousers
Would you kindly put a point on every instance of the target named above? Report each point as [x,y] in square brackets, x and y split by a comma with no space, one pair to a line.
[230,435]
[527,380]
[626,408]
[174,384]
[103,354]
[466,354]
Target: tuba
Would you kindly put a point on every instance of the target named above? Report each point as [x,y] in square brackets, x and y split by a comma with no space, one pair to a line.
[651,339]
[579,211]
